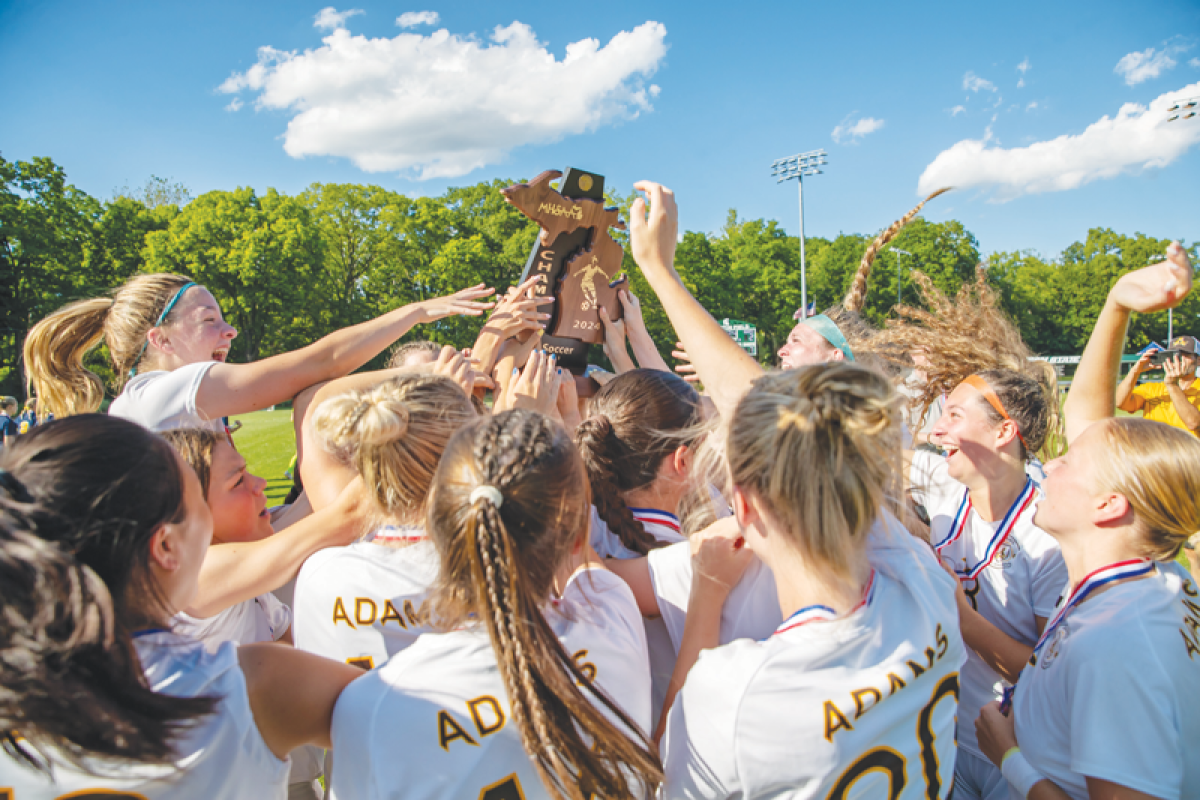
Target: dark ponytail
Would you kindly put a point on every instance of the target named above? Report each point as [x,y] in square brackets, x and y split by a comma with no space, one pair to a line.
[80,500]
[498,563]
[625,439]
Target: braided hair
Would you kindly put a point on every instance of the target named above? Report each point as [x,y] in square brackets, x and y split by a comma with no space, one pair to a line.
[625,440]
[498,563]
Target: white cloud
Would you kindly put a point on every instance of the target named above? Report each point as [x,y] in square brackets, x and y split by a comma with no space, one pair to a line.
[1137,138]
[1194,62]
[411,19]
[974,83]
[1032,105]
[1137,67]
[234,104]
[442,105]
[1022,68]
[954,112]
[330,19]
[1142,66]
[856,130]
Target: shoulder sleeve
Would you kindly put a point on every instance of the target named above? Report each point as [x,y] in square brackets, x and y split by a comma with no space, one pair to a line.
[278,615]
[1140,394]
[166,400]
[1047,574]
[929,480]
[1124,726]
[699,747]
[352,735]
[671,577]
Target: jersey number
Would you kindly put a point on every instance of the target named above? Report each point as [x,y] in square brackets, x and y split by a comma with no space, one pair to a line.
[507,789]
[894,765]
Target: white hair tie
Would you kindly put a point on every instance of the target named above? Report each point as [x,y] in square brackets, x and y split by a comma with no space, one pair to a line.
[489,492]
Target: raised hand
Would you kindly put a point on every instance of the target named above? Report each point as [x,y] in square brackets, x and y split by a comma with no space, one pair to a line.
[614,342]
[653,235]
[535,388]
[1158,286]
[719,555]
[686,369]
[1176,371]
[454,366]
[568,402]
[518,310]
[464,302]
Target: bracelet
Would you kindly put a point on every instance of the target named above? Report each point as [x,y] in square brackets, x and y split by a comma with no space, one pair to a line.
[1018,772]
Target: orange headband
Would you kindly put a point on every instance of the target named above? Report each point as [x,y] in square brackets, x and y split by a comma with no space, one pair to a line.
[994,401]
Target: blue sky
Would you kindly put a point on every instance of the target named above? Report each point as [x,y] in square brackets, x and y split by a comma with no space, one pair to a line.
[703,101]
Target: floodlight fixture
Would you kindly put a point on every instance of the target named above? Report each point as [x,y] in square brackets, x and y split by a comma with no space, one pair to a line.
[798,166]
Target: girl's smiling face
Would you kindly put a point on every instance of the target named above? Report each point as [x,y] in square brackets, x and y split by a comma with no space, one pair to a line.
[197,332]
[235,496]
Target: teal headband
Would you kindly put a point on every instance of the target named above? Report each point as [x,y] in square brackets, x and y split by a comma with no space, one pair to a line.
[829,330]
[161,317]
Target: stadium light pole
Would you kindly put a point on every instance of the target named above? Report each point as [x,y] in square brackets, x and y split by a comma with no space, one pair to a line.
[797,167]
[903,253]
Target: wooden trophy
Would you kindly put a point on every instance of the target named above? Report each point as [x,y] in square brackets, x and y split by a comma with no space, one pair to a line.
[577,256]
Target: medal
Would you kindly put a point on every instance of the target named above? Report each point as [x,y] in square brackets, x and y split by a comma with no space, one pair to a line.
[959,524]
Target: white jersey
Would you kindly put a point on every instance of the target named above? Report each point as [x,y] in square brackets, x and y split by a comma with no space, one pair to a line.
[365,602]
[664,527]
[1018,568]
[1112,693]
[856,706]
[224,756]
[260,619]
[434,722]
[164,401]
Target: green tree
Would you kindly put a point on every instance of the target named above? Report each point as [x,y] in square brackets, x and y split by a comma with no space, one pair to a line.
[51,252]
[259,257]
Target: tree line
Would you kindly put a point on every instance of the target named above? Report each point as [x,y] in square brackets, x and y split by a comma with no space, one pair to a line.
[288,269]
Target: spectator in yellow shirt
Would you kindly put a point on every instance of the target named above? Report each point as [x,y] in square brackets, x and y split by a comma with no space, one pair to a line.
[1176,400]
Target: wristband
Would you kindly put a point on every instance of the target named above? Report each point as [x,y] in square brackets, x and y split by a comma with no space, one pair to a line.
[1007,753]
[1018,772]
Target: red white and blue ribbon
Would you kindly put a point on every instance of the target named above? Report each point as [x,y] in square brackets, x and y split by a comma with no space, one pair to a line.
[655,517]
[819,613]
[1023,502]
[1133,568]
[406,534]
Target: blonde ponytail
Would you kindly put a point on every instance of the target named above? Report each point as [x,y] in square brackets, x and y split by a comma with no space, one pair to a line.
[54,353]
[56,346]
[394,434]
[841,421]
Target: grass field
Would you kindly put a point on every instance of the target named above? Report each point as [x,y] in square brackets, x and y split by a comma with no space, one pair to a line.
[267,443]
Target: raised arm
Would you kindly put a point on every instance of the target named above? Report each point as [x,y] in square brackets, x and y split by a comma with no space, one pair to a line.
[1093,391]
[235,572]
[644,349]
[725,368]
[230,389]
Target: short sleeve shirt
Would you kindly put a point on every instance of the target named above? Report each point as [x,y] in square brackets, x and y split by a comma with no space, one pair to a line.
[1023,580]
[435,723]
[224,755]
[165,401]
[1154,401]
[366,602]
[1112,693]
[260,619]
[858,706]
